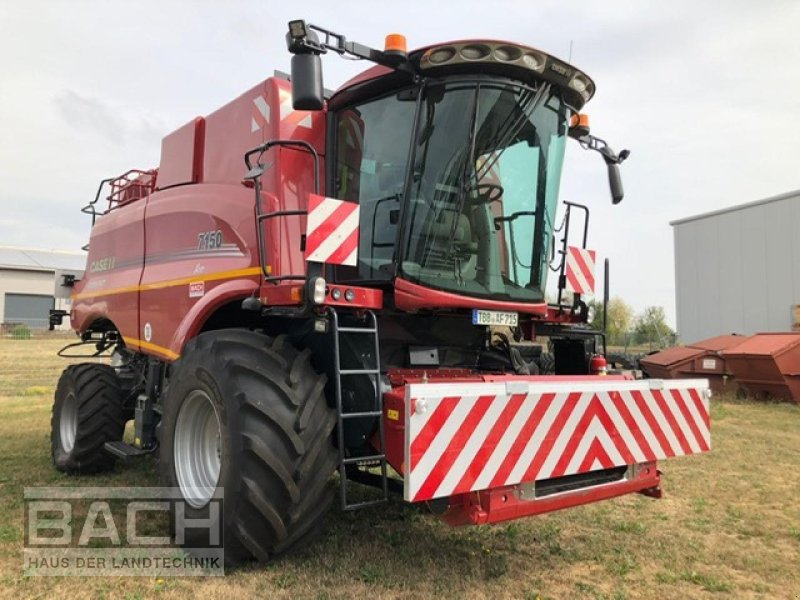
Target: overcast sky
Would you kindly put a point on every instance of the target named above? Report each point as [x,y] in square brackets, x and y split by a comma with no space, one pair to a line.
[706,95]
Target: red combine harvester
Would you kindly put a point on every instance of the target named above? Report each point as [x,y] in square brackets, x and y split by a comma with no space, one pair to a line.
[313,281]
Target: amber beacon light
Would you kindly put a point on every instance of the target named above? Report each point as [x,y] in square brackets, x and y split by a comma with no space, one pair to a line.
[395,44]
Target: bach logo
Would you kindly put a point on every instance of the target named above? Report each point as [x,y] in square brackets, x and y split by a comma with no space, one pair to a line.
[120,531]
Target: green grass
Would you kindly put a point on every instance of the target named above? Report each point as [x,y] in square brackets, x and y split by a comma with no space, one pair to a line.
[728,526]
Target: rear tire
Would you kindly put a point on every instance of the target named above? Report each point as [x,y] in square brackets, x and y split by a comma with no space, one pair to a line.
[261,404]
[88,411]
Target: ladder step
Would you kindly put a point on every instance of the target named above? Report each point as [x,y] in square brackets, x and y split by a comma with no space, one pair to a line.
[359,372]
[126,451]
[358,459]
[357,415]
[359,463]
[358,505]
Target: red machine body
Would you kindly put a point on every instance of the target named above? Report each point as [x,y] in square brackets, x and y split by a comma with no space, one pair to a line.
[177,253]
[148,263]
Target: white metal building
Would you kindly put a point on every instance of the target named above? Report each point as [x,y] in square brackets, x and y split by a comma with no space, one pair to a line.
[27,284]
[737,270]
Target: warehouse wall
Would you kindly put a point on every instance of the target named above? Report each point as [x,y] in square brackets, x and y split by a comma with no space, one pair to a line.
[738,271]
[17,281]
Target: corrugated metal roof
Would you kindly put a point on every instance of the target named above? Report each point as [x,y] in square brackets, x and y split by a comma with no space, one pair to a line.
[722,211]
[33,259]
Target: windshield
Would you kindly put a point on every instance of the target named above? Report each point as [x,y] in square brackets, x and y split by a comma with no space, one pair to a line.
[372,148]
[487,165]
[485,168]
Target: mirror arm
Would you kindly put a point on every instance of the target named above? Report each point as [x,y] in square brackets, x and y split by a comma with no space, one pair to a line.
[336,42]
[590,142]
[612,160]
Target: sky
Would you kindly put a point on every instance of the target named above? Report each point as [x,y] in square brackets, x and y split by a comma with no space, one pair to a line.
[706,96]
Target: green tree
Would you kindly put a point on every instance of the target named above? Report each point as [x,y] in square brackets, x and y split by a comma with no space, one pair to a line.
[651,328]
[620,320]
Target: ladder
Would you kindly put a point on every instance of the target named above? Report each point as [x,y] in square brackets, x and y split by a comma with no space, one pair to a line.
[348,464]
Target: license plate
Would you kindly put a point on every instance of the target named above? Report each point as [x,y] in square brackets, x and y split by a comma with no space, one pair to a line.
[494,317]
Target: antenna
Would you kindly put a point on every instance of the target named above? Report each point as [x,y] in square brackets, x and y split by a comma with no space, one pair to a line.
[569,60]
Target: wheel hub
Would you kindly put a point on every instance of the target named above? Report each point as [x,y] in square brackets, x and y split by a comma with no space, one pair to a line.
[68,423]
[197,449]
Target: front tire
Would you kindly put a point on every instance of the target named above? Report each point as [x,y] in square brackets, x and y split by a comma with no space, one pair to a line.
[247,413]
[88,411]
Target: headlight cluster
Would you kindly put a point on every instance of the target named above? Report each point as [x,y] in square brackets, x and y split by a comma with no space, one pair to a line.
[318,289]
[535,62]
[484,51]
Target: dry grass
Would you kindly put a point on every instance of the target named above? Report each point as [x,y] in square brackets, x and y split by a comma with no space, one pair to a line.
[729,525]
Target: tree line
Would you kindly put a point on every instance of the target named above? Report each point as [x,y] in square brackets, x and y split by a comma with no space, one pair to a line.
[626,327]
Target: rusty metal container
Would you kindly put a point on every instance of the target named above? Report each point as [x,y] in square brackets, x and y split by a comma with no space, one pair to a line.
[700,359]
[768,363]
[671,363]
[720,343]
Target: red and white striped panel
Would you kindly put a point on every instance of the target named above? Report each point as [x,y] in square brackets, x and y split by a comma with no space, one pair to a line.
[262,112]
[580,270]
[332,231]
[476,436]
[289,116]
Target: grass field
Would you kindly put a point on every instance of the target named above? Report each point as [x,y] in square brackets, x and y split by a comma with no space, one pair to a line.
[728,526]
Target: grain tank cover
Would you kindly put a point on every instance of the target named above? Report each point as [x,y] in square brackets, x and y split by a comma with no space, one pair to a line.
[182,155]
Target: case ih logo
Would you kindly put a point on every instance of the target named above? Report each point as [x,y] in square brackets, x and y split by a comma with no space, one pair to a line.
[580,270]
[332,231]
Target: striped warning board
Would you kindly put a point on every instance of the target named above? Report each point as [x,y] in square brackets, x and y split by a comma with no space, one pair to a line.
[469,437]
[580,270]
[332,231]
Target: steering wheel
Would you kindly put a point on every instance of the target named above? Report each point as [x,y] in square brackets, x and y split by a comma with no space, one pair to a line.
[487,192]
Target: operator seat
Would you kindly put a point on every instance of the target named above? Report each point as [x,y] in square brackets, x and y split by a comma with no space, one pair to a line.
[442,254]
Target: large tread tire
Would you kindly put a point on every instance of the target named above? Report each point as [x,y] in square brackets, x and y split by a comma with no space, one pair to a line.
[547,364]
[277,455]
[93,392]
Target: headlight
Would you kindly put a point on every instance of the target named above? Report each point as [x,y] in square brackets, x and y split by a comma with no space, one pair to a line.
[317,288]
[506,58]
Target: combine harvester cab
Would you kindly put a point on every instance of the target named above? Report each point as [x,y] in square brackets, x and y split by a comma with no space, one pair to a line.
[355,281]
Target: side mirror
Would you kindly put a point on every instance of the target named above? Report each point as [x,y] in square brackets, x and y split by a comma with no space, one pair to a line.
[615,182]
[307,87]
[579,129]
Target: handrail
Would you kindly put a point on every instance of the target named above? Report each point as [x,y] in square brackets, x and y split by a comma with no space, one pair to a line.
[300,143]
[130,186]
[255,172]
[89,209]
[565,241]
[140,186]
